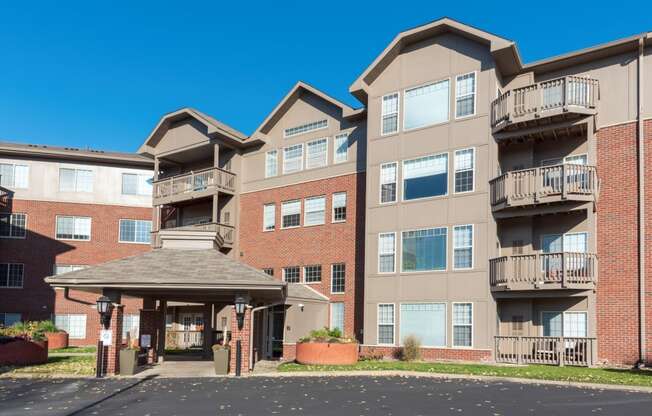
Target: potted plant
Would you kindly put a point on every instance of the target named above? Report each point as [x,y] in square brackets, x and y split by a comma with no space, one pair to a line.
[221,359]
[23,344]
[128,361]
[327,347]
[55,336]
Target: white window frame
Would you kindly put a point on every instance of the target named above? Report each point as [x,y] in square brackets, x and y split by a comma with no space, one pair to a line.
[268,154]
[335,147]
[332,272]
[445,269]
[380,183]
[307,128]
[284,272]
[455,170]
[445,344]
[22,280]
[321,274]
[448,177]
[73,268]
[85,319]
[466,247]
[378,324]
[283,227]
[273,228]
[56,220]
[307,146]
[346,202]
[398,113]
[379,253]
[475,94]
[10,237]
[305,212]
[285,171]
[76,184]
[562,313]
[453,325]
[427,84]
[139,190]
[120,240]
[14,165]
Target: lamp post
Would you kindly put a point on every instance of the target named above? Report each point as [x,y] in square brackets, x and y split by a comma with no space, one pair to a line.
[104,308]
[240,305]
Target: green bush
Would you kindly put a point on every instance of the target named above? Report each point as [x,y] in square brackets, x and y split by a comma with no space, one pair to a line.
[31,331]
[326,334]
[48,326]
[411,350]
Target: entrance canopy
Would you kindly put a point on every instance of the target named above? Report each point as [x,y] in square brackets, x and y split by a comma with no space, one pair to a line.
[177,275]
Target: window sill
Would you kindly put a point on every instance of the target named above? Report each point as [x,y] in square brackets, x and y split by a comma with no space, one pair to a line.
[134,242]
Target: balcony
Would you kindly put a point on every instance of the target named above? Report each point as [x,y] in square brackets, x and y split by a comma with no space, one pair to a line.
[223,235]
[575,351]
[544,271]
[544,185]
[193,185]
[544,103]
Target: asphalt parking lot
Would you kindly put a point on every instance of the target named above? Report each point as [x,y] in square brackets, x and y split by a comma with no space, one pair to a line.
[309,396]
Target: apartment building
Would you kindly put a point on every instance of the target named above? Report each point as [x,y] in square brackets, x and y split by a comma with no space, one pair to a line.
[63,209]
[493,209]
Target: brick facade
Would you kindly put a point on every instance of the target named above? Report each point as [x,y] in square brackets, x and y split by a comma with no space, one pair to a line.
[244,336]
[40,251]
[323,245]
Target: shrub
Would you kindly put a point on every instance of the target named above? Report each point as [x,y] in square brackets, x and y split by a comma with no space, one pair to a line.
[411,348]
[326,335]
[29,331]
[48,326]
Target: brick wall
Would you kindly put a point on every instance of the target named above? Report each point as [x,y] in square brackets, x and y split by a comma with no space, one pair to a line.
[648,238]
[427,354]
[40,251]
[322,244]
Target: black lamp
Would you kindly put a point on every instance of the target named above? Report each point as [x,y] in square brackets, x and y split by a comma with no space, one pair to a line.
[104,308]
[240,305]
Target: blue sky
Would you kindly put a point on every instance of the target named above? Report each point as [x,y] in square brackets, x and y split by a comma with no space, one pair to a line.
[101,74]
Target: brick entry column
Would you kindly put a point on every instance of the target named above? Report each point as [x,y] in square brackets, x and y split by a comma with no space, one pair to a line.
[111,364]
[244,335]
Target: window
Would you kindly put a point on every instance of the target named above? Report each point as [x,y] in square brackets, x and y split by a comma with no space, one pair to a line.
[464,170]
[338,278]
[317,153]
[14,176]
[426,321]
[66,268]
[386,252]
[463,247]
[386,324]
[425,177]
[424,250]
[465,95]
[271,163]
[551,264]
[75,180]
[305,128]
[269,271]
[315,209]
[269,217]
[339,207]
[293,158]
[13,225]
[426,105]
[131,325]
[462,324]
[8,319]
[135,231]
[341,148]
[74,325]
[73,228]
[291,214]
[566,324]
[312,274]
[11,275]
[389,114]
[291,274]
[388,182]
[337,316]
[135,184]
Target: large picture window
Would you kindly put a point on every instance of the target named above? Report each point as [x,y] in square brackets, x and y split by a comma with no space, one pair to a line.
[462,324]
[388,182]
[424,250]
[75,180]
[293,158]
[425,177]
[426,105]
[14,176]
[389,114]
[291,214]
[386,324]
[317,153]
[73,228]
[135,231]
[426,321]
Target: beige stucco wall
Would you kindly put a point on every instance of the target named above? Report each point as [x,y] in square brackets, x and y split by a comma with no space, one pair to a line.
[299,323]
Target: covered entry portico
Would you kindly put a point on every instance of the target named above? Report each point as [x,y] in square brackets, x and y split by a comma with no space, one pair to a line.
[199,276]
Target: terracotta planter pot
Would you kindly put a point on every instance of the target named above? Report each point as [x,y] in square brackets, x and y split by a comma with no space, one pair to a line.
[57,340]
[323,353]
[22,352]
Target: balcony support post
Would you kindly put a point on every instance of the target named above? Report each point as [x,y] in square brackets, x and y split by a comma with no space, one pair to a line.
[563,270]
[561,351]
[519,351]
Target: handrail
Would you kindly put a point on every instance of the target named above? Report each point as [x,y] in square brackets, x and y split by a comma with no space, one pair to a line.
[178,175]
[561,351]
[195,181]
[539,269]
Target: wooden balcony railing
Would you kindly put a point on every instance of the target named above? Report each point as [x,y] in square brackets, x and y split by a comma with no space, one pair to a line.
[566,94]
[544,271]
[225,233]
[544,184]
[193,183]
[575,351]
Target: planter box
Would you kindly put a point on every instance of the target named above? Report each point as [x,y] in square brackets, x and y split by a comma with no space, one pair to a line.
[221,361]
[21,352]
[128,362]
[57,340]
[323,353]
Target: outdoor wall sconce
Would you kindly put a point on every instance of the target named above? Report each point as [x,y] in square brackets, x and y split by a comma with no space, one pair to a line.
[240,305]
[104,308]
[301,306]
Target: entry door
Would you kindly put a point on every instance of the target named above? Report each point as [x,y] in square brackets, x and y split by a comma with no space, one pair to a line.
[275,323]
[192,322]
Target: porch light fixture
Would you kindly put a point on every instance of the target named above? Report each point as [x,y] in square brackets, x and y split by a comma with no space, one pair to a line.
[240,305]
[104,308]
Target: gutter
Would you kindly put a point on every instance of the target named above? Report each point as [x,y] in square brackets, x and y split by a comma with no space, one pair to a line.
[641,205]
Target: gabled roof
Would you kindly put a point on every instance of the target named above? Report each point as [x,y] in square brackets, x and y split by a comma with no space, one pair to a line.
[213,127]
[419,33]
[290,98]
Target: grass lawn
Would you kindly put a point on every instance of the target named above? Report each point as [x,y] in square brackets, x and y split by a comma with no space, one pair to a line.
[89,349]
[75,365]
[537,372]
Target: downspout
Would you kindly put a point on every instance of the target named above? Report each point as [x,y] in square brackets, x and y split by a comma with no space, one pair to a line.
[66,296]
[641,205]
